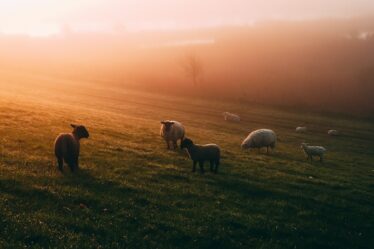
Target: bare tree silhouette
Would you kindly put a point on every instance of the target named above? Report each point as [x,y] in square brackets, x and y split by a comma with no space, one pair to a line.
[193,68]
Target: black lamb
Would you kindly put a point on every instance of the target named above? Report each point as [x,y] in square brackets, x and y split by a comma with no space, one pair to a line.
[67,147]
[201,153]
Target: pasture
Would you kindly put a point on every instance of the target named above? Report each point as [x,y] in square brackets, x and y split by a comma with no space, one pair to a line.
[133,193]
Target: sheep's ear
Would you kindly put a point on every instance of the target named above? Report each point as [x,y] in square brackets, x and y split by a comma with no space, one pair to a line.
[73,125]
[162,122]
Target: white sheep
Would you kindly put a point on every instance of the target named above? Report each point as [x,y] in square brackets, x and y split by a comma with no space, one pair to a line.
[301,129]
[172,131]
[311,151]
[333,133]
[67,147]
[231,117]
[259,139]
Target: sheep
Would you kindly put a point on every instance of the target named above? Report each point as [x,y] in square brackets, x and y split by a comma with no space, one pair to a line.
[333,133]
[231,117]
[302,129]
[311,151]
[260,138]
[172,131]
[201,153]
[67,147]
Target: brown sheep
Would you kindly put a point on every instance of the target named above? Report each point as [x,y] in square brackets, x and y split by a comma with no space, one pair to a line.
[67,147]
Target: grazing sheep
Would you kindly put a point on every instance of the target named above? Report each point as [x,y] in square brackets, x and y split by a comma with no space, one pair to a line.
[201,153]
[172,131]
[260,138]
[301,129]
[333,133]
[311,151]
[231,117]
[67,147]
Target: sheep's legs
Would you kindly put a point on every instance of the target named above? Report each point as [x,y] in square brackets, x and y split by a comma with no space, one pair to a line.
[72,167]
[167,145]
[216,168]
[73,164]
[194,166]
[60,163]
[267,149]
[211,166]
[76,165]
[201,164]
[175,145]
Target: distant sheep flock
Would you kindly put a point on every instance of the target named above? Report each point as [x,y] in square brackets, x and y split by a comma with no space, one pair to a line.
[302,129]
[231,117]
[67,145]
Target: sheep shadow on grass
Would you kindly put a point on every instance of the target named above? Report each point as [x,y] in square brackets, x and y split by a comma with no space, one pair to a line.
[84,180]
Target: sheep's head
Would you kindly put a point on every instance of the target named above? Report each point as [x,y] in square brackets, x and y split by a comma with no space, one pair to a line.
[245,146]
[80,131]
[167,125]
[186,143]
[303,145]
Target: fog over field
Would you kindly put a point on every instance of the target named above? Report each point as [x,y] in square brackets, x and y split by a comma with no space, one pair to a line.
[316,55]
[325,65]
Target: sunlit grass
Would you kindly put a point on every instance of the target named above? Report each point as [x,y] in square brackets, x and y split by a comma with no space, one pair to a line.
[132,192]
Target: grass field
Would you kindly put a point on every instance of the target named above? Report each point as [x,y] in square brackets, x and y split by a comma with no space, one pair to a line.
[133,193]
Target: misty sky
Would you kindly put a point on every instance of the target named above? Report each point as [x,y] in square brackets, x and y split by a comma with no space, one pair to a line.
[44,17]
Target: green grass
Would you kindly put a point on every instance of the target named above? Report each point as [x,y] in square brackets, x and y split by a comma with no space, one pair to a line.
[136,194]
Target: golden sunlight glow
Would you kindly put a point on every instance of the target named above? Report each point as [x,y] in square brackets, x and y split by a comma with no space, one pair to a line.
[44,17]
[279,52]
